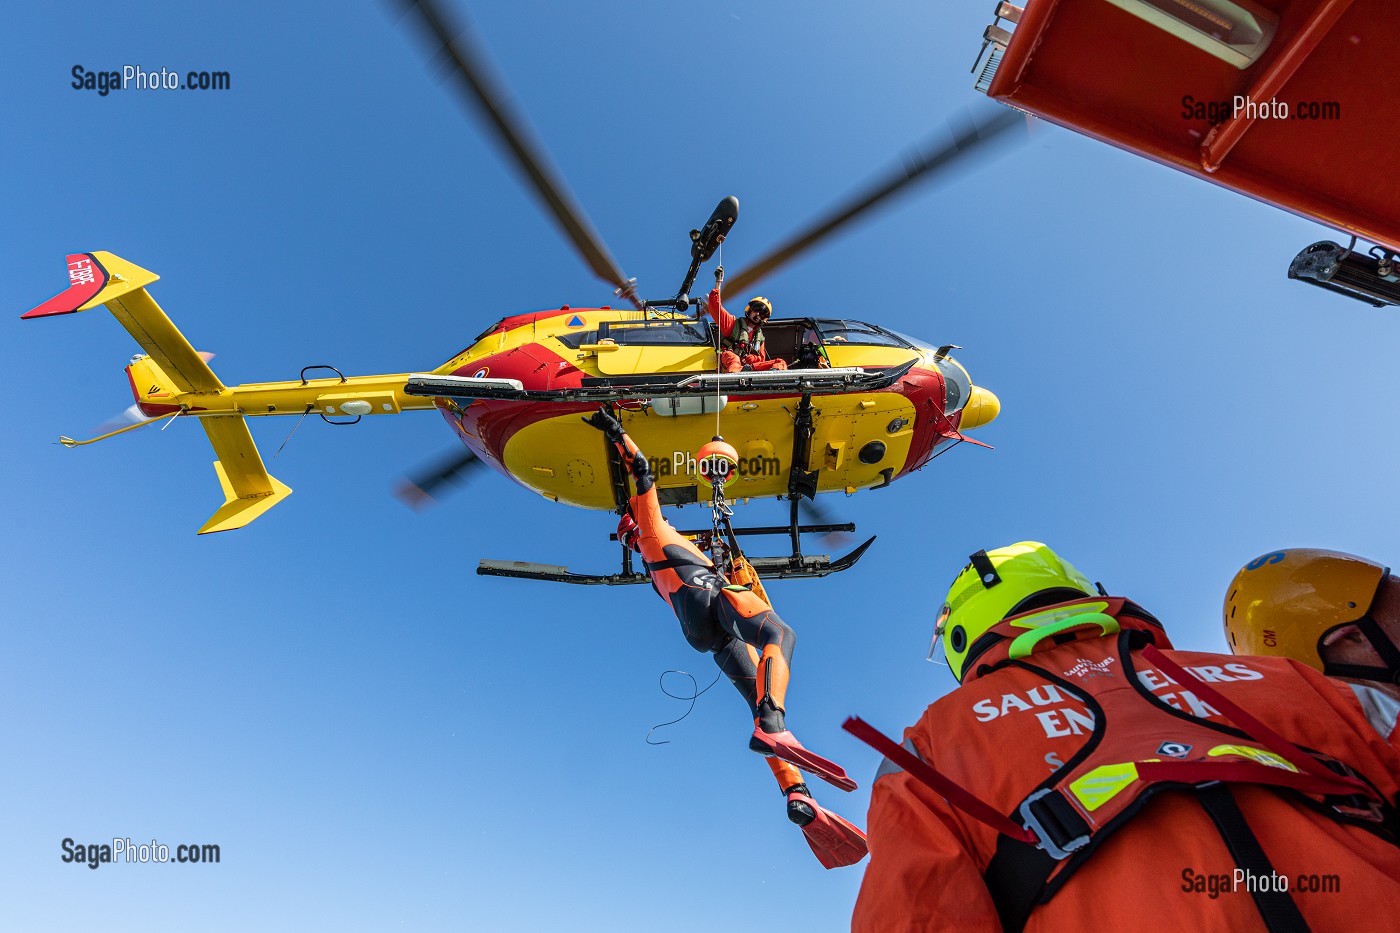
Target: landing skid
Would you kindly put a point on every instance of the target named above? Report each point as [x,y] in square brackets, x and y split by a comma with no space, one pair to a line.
[795,566]
[782,568]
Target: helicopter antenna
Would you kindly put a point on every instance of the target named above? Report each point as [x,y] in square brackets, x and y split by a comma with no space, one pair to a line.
[451,44]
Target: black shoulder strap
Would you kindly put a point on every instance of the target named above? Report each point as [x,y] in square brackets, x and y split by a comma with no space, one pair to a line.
[1276,907]
[1015,877]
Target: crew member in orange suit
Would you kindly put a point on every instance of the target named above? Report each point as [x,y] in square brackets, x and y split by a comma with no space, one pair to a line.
[1337,613]
[749,642]
[741,341]
[1086,777]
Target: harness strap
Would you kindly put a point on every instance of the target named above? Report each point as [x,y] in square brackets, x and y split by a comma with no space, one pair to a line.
[1279,912]
[1242,772]
[1015,877]
[672,563]
[744,339]
[1253,727]
[1380,641]
[955,794]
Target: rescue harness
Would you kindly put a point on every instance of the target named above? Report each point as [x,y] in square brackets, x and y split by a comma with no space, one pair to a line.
[1061,822]
[745,339]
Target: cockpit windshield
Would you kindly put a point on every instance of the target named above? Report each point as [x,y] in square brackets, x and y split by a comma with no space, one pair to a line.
[858,333]
[957,387]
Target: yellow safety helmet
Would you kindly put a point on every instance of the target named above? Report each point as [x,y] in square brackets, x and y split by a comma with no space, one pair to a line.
[996,585]
[763,304]
[1284,603]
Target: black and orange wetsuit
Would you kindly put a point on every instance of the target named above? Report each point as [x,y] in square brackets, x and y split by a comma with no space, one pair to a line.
[751,644]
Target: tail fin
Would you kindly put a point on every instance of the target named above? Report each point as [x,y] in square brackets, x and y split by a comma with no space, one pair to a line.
[171,368]
[101,278]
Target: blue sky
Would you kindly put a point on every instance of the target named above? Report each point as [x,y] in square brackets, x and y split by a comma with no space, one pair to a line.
[376,737]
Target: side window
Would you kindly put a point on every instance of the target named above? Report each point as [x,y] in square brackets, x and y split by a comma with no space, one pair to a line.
[654,333]
[576,340]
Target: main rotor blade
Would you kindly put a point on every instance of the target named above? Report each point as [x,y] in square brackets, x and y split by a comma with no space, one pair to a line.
[918,165]
[479,87]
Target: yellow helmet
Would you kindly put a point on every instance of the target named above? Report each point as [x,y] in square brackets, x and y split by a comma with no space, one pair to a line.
[1283,604]
[996,584]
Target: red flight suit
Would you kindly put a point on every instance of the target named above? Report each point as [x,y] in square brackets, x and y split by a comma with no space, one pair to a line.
[742,348]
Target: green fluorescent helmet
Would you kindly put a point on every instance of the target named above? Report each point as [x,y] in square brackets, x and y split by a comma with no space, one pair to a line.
[997,584]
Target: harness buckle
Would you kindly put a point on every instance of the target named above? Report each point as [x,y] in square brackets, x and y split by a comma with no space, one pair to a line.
[1058,827]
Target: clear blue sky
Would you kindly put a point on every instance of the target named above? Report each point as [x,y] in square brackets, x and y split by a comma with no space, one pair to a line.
[379,739]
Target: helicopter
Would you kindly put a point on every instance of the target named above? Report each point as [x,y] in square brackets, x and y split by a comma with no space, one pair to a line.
[859,407]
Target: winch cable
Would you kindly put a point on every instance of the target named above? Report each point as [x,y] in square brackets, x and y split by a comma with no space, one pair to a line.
[719,339]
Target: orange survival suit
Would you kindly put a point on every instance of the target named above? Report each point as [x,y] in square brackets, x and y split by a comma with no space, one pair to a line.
[1075,728]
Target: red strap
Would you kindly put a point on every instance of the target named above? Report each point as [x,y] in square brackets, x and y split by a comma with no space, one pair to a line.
[955,795]
[1242,772]
[1256,729]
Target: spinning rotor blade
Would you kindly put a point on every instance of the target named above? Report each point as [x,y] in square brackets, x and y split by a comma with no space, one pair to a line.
[816,513]
[425,486]
[479,87]
[917,165]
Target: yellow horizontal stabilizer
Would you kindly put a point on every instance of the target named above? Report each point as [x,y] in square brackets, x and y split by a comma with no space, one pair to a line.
[248,489]
[236,512]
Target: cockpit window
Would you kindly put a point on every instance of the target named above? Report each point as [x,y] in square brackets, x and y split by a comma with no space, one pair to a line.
[956,386]
[643,334]
[915,342]
[486,333]
[655,333]
[859,333]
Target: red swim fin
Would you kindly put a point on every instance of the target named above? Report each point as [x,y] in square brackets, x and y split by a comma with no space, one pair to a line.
[834,841]
[784,745]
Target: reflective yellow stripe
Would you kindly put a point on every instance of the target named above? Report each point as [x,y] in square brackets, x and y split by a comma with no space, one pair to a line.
[1104,783]
[1254,754]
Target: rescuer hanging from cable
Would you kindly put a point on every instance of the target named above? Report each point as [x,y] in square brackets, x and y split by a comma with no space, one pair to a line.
[749,642]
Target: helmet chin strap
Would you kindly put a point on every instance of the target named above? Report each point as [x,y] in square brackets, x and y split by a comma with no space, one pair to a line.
[1389,653]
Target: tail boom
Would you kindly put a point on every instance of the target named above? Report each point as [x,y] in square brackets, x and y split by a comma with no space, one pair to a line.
[171,377]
